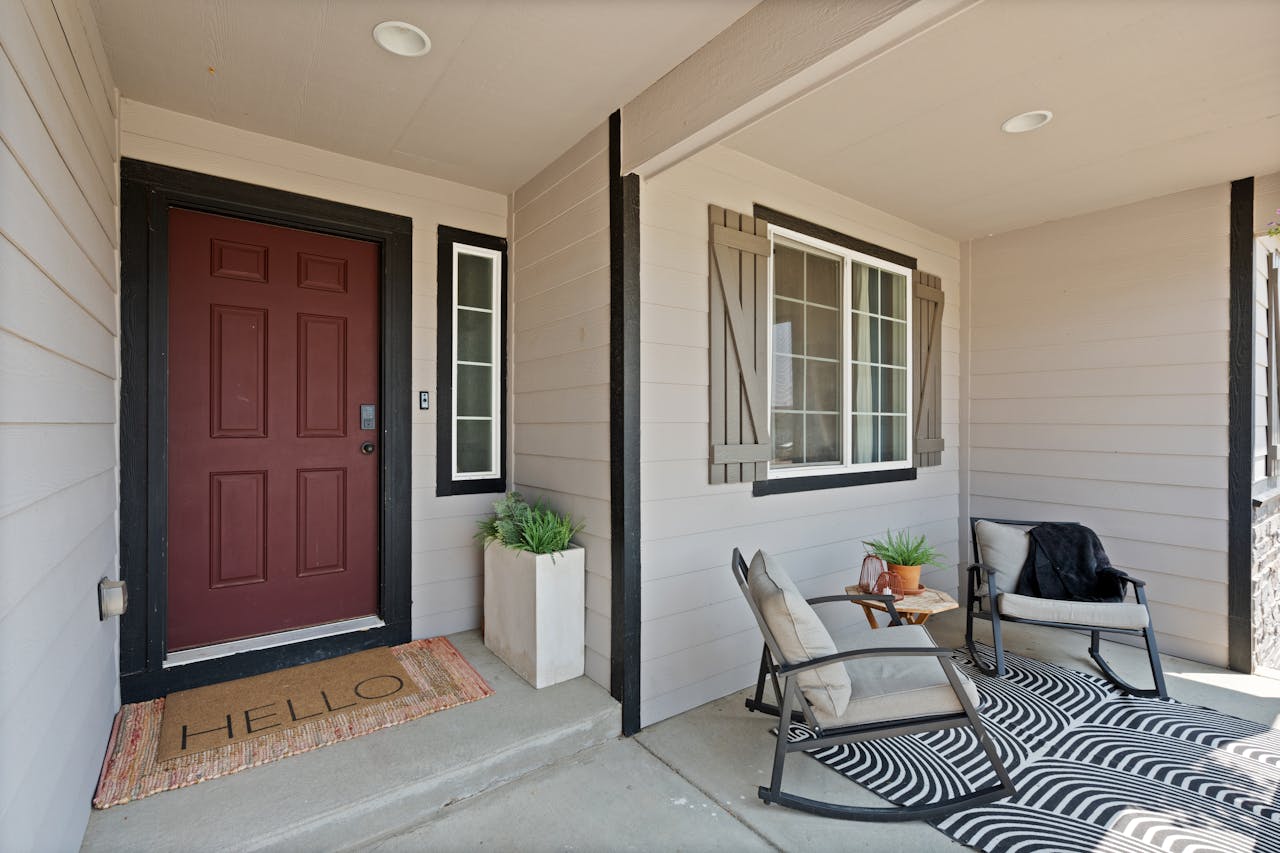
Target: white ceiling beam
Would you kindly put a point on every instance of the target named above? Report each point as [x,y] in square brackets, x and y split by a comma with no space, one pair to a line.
[774,54]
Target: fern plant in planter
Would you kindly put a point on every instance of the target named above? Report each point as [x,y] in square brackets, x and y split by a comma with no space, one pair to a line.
[537,528]
[534,590]
[905,555]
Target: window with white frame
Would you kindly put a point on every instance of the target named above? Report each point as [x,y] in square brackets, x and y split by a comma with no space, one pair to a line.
[841,359]
[470,426]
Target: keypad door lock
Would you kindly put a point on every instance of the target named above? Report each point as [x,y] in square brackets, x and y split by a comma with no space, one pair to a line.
[368,416]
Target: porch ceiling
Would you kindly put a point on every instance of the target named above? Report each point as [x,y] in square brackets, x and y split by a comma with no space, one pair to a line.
[1149,97]
[507,87]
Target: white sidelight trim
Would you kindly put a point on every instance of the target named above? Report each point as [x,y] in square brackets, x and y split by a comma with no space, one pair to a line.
[494,365]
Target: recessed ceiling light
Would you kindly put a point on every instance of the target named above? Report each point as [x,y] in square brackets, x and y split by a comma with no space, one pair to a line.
[1024,122]
[401,39]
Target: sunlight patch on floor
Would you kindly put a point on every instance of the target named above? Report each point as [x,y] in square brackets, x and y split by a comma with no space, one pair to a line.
[1266,689]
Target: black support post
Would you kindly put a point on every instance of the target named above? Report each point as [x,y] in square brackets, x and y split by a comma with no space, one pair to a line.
[624,430]
[1240,431]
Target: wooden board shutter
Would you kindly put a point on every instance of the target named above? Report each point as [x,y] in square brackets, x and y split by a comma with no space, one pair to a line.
[927,355]
[740,445]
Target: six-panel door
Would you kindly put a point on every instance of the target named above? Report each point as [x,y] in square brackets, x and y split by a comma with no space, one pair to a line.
[273,485]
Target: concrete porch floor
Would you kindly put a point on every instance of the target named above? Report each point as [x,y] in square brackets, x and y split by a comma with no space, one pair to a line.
[687,783]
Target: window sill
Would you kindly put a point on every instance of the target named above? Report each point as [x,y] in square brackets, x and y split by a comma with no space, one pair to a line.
[448,488]
[1266,490]
[786,485]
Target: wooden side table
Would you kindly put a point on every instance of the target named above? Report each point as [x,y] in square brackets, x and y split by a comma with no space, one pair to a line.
[914,609]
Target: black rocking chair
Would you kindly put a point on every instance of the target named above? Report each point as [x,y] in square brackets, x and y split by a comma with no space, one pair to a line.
[943,698]
[987,600]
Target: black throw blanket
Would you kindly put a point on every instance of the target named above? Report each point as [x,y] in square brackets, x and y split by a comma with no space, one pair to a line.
[1066,562]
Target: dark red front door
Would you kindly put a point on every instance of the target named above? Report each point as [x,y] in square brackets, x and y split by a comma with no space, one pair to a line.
[273,502]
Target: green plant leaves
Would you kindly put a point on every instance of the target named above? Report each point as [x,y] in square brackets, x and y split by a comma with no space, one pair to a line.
[903,549]
[538,528]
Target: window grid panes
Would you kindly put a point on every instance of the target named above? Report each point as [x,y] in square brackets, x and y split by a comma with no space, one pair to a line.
[841,372]
[806,346]
[476,334]
[879,365]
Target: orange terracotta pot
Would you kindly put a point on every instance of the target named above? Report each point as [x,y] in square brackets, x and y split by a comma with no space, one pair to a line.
[910,576]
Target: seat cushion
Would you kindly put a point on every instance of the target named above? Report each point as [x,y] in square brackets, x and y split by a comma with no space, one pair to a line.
[1004,548]
[896,688]
[799,633]
[1098,614]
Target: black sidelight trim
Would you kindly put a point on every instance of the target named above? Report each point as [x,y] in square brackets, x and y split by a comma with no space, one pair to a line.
[445,484]
[1240,402]
[787,485]
[148,191]
[624,431]
[822,232]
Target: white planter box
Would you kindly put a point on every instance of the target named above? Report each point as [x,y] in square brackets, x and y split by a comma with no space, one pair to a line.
[534,612]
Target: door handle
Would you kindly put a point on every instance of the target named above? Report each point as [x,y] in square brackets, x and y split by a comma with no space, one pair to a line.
[367,448]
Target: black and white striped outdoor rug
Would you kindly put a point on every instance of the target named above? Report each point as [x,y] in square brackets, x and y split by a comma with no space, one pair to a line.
[1095,770]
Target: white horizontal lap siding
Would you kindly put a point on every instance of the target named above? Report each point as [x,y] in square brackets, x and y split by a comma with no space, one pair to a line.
[560,359]
[447,571]
[698,640]
[1099,394]
[58,387]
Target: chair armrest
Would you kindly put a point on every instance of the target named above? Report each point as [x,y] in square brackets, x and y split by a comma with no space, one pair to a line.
[1127,577]
[852,596]
[985,568]
[885,651]
[887,600]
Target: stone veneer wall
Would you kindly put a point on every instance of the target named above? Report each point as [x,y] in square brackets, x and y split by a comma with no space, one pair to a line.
[1266,584]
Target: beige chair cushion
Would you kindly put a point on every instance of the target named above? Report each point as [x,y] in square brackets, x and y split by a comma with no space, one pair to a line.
[893,688]
[800,634]
[1099,614]
[1004,548]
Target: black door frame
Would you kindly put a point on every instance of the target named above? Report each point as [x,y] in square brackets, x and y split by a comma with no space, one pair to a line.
[147,192]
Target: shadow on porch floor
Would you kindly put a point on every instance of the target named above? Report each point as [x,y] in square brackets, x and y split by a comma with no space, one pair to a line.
[687,783]
[726,750]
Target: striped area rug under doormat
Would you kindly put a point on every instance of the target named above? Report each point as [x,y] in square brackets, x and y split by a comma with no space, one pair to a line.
[131,771]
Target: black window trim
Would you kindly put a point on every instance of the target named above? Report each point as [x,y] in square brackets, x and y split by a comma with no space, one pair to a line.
[821,232]
[446,485]
[844,479]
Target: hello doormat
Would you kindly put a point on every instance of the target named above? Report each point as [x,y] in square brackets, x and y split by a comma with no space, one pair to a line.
[224,714]
[209,732]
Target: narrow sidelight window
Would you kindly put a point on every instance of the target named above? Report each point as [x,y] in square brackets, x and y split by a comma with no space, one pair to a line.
[471,446]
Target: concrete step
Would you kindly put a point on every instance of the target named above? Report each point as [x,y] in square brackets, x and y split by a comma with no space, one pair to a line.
[616,796]
[353,793]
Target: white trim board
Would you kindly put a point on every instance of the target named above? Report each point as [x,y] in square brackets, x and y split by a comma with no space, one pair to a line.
[269,641]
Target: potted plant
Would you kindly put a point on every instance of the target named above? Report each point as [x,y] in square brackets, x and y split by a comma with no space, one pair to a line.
[905,555]
[534,590]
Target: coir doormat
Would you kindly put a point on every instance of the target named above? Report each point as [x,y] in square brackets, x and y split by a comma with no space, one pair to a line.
[224,714]
[205,733]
